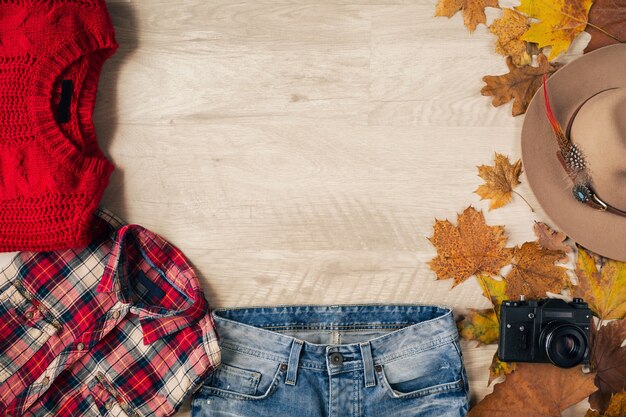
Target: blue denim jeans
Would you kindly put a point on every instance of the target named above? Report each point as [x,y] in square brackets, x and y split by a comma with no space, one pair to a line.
[336,361]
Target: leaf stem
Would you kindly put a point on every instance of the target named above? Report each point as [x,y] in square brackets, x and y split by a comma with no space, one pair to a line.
[605,32]
[525,201]
[582,21]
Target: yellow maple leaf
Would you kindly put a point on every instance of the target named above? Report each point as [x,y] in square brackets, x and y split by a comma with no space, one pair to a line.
[561,21]
[472,247]
[604,290]
[494,290]
[509,29]
[500,180]
[473,10]
[499,369]
[480,325]
[534,272]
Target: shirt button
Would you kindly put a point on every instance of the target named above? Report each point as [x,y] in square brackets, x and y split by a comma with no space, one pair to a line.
[336,359]
[28,315]
[45,381]
[108,405]
[116,314]
[80,346]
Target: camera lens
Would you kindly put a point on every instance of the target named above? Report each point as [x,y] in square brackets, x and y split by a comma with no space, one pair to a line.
[565,344]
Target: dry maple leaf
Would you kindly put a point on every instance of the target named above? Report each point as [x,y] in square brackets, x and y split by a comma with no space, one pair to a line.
[607,23]
[616,407]
[500,180]
[537,390]
[520,84]
[480,325]
[534,272]
[509,28]
[472,247]
[605,289]
[561,21]
[473,10]
[550,239]
[499,369]
[608,360]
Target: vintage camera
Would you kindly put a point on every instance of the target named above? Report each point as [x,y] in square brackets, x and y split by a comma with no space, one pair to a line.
[548,330]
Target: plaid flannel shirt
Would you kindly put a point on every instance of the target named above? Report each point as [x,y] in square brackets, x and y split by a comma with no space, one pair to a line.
[120,327]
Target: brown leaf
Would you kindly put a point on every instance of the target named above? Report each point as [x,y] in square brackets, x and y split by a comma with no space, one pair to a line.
[616,407]
[500,180]
[560,22]
[605,289]
[509,29]
[537,390]
[480,325]
[550,239]
[608,360]
[610,16]
[472,247]
[473,10]
[499,369]
[520,84]
[534,272]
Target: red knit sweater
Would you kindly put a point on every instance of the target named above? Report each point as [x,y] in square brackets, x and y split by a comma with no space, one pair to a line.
[52,173]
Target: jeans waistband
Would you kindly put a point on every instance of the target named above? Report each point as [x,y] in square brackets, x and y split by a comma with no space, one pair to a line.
[411,329]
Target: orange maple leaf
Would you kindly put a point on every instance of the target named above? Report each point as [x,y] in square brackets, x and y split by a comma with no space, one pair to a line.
[534,272]
[500,180]
[509,29]
[521,394]
[472,247]
[473,10]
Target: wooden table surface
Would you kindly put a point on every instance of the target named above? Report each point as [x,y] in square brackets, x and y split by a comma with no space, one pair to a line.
[299,151]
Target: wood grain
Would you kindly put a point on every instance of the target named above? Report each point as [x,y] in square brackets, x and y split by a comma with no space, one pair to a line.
[299,151]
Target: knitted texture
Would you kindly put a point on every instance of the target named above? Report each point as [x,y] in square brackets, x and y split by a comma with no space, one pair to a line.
[52,175]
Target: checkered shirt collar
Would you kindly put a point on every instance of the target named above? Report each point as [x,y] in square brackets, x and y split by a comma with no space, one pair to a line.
[173,268]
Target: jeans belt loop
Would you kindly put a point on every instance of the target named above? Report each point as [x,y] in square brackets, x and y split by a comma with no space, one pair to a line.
[294,359]
[368,364]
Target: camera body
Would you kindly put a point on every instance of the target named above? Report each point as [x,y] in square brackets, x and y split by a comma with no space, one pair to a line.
[547,330]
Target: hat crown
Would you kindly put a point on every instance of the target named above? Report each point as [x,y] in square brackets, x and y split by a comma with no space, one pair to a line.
[599,130]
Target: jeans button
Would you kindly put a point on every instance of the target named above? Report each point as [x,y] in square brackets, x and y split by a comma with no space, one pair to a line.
[336,359]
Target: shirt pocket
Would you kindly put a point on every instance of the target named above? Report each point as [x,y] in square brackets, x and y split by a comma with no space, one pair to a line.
[239,383]
[434,370]
[108,400]
[25,326]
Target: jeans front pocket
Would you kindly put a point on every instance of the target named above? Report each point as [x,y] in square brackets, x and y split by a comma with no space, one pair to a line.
[242,384]
[433,370]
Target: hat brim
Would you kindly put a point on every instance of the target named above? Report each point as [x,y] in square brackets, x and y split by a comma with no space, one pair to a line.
[601,232]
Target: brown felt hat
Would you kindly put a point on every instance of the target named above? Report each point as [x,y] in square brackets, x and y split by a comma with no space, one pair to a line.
[589,96]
